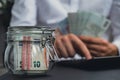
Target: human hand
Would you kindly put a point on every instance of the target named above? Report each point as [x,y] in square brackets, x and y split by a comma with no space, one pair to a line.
[99,47]
[66,45]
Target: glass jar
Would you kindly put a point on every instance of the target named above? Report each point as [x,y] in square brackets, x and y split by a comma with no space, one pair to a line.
[29,50]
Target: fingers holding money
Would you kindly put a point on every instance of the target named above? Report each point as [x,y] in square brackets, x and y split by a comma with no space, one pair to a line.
[99,47]
[80,46]
[65,46]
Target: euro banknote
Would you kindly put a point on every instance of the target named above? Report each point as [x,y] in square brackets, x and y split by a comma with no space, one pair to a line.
[88,23]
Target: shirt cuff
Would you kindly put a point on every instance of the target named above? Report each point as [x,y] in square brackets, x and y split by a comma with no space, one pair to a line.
[118,46]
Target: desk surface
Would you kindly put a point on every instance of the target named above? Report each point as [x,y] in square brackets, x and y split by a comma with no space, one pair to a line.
[90,70]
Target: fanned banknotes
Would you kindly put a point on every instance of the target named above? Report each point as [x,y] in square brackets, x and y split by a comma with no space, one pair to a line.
[88,23]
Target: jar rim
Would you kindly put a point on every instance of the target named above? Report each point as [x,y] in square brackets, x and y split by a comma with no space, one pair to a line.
[35,27]
[29,29]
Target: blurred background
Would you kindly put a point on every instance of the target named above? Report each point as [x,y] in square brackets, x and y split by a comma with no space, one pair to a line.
[5,14]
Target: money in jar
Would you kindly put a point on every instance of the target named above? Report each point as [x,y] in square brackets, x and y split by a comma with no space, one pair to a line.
[29,50]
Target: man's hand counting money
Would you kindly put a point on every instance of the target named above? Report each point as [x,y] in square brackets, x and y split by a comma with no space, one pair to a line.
[66,45]
[99,47]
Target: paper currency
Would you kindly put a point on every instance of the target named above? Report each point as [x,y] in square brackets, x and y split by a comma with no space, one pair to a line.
[88,23]
[30,55]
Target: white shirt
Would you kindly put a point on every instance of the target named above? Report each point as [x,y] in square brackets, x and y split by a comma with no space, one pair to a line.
[50,12]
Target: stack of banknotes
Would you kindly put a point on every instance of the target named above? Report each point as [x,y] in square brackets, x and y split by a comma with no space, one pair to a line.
[88,23]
